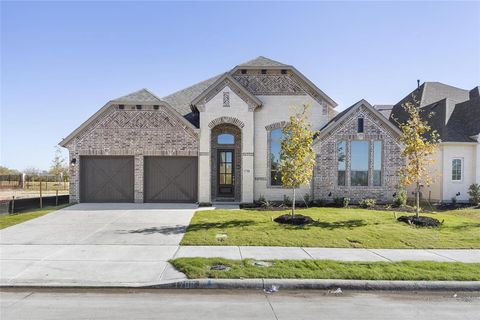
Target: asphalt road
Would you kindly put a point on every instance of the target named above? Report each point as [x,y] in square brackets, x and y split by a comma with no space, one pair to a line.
[223,304]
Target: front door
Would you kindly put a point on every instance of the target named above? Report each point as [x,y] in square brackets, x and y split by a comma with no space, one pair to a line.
[226,175]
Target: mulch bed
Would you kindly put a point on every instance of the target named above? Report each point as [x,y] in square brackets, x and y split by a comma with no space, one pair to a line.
[297,219]
[420,221]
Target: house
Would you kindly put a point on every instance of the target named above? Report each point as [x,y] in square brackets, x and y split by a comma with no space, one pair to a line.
[219,140]
[455,114]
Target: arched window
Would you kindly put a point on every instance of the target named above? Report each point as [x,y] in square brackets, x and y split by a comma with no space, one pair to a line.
[226,138]
[275,148]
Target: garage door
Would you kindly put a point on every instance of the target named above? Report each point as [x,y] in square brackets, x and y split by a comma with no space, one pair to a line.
[106,179]
[170,179]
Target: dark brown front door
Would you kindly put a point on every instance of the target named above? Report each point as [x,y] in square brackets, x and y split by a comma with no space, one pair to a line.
[226,173]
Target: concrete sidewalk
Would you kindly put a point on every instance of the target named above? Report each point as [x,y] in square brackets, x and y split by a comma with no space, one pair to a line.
[340,254]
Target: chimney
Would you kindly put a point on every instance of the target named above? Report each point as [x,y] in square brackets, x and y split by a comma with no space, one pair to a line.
[474,93]
[418,83]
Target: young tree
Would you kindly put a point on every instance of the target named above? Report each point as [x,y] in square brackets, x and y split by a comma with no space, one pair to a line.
[297,155]
[421,143]
[58,166]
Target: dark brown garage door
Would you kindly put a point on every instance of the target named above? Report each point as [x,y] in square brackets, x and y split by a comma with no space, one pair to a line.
[170,179]
[106,179]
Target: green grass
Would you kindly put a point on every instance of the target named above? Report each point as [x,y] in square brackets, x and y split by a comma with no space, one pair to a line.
[334,227]
[196,268]
[12,219]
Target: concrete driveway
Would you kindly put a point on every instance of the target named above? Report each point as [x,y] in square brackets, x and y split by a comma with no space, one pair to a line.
[95,245]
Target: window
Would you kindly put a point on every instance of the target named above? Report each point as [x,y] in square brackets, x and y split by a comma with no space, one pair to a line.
[226,99]
[264,71]
[457,169]
[377,163]
[284,71]
[342,155]
[360,125]
[275,148]
[359,163]
[225,138]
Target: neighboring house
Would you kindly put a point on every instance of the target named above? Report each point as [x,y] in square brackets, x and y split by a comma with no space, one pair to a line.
[455,114]
[219,140]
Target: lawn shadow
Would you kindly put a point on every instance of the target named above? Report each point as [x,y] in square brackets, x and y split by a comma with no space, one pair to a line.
[348,224]
[219,225]
[464,226]
[155,230]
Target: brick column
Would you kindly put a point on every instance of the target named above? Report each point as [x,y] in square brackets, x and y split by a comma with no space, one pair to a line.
[138,178]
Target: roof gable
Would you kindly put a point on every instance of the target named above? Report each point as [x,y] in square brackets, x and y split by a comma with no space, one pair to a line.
[226,80]
[262,62]
[140,96]
[345,114]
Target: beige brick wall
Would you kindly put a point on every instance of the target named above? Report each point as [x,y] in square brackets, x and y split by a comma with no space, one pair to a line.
[132,132]
[276,109]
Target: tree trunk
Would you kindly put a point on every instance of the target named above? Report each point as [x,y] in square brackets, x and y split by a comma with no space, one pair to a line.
[293,203]
[417,200]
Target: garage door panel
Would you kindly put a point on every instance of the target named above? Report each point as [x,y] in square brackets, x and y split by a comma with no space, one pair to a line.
[170,179]
[106,179]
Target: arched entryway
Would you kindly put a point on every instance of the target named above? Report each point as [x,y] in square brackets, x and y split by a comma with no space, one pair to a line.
[226,162]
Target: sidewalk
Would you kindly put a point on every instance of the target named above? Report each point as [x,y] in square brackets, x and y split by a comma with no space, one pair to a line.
[340,254]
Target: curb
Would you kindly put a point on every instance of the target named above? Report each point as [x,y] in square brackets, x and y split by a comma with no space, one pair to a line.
[320,284]
[283,284]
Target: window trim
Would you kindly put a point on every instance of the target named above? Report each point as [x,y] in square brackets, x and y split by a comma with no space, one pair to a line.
[461,169]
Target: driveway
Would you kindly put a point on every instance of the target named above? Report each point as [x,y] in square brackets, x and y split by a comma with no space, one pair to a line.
[95,245]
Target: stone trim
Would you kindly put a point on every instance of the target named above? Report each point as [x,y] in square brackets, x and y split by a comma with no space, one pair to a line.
[223,120]
[249,154]
[276,125]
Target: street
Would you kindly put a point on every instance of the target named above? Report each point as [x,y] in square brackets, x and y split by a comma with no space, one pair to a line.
[240,304]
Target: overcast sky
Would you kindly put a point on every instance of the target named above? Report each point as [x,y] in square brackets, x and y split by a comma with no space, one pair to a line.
[62,61]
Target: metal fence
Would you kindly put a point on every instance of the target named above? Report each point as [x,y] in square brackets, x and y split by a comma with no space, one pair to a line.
[34,182]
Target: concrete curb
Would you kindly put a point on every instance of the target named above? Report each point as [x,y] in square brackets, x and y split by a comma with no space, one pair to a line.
[322,284]
[282,284]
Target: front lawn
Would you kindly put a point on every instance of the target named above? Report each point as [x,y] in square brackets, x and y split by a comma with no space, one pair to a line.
[12,219]
[333,227]
[196,268]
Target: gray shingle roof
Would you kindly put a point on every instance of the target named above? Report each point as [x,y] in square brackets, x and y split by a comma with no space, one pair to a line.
[453,116]
[180,100]
[384,109]
[262,62]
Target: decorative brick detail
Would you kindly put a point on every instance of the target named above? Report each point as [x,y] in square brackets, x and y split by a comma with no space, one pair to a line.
[229,120]
[268,84]
[235,87]
[325,174]
[226,99]
[276,125]
[131,132]
[237,147]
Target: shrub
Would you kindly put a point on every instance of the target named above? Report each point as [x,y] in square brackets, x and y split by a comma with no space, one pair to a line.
[338,201]
[346,202]
[287,201]
[474,193]
[306,198]
[454,200]
[400,199]
[367,203]
[319,202]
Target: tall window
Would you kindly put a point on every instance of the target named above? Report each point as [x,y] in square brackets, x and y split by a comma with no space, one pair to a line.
[457,169]
[359,163]
[377,163]
[342,155]
[360,125]
[275,148]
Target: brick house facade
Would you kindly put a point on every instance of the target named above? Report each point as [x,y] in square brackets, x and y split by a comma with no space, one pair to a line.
[185,130]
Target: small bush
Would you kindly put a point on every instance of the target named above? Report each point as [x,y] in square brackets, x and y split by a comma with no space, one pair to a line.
[319,202]
[367,203]
[338,201]
[287,201]
[454,200]
[346,202]
[400,199]
[306,198]
[474,193]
